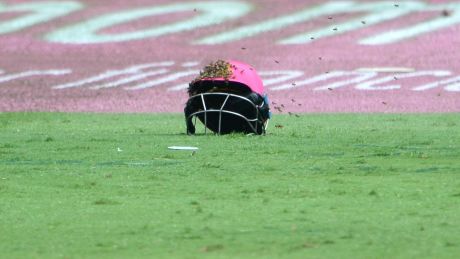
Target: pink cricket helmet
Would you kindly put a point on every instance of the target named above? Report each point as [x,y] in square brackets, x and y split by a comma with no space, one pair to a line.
[246,75]
[228,96]
[243,74]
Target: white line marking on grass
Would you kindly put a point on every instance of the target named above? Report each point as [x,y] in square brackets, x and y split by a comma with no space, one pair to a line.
[130,79]
[373,84]
[381,11]
[112,73]
[280,76]
[34,73]
[190,64]
[276,23]
[452,85]
[386,69]
[179,87]
[440,22]
[35,13]
[209,13]
[358,77]
[163,80]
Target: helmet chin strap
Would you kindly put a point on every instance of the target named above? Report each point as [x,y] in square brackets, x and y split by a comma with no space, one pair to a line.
[188,120]
[190,127]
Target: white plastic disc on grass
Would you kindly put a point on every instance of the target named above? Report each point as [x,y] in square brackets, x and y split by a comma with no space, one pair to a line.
[183,148]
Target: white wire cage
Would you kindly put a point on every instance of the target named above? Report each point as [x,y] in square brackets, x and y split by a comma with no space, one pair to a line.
[224,113]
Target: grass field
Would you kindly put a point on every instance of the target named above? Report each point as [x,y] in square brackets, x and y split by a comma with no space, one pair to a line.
[319,186]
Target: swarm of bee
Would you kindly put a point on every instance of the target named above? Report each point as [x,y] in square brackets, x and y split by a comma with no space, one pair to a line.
[217,69]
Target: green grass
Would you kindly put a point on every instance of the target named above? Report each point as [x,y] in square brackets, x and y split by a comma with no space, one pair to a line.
[321,186]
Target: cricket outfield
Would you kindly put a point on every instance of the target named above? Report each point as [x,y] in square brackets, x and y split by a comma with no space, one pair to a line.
[319,186]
